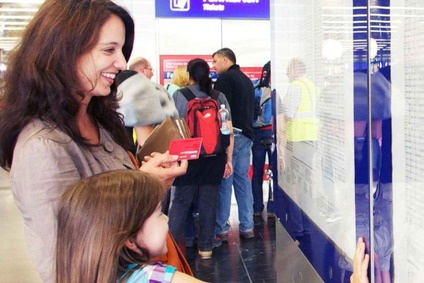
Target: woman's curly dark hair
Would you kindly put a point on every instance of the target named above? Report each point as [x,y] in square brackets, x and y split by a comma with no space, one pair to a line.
[40,81]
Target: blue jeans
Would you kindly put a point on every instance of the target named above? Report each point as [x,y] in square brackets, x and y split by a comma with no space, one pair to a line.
[181,206]
[242,189]
[259,153]
[190,229]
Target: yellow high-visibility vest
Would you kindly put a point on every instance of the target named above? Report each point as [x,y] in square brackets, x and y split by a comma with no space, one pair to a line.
[304,126]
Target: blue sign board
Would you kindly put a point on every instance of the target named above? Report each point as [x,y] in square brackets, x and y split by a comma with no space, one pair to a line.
[236,9]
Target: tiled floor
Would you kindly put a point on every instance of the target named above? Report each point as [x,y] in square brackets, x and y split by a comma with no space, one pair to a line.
[238,260]
[15,266]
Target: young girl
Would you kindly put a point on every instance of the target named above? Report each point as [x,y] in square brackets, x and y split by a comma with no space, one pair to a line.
[110,226]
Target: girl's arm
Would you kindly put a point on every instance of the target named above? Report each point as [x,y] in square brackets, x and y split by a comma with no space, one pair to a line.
[180,277]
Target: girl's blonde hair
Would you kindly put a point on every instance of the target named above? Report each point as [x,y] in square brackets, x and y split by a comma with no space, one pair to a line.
[180,76]
[96,216]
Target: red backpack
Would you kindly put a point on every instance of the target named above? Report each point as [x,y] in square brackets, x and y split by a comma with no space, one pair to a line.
[203,121]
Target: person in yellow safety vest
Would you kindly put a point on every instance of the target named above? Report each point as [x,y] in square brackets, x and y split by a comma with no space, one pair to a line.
[300,105]
[301,129]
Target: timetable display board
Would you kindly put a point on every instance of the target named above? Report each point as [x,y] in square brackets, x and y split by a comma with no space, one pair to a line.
[318,175]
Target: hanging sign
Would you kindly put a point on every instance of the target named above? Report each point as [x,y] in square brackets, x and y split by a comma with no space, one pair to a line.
[237,9]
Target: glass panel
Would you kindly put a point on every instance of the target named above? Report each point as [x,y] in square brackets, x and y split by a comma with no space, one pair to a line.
[407,108]
[362,120]
[365,60]
[381,139]
[317,47]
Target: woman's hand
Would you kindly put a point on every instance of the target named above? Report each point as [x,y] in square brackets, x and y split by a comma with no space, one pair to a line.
[164,166]
[228,169]
[360,264]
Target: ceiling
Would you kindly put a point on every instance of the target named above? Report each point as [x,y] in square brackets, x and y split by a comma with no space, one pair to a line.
[14,16]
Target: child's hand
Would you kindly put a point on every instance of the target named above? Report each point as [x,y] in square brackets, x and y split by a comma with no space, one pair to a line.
[164,166]
[360,264]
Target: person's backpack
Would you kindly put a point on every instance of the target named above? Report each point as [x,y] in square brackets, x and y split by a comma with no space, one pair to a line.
[263,107]
[203,121]
[258,109]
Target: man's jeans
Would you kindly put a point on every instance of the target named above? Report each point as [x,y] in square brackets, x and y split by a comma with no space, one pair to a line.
[181,206]
[242,189]
[259,153]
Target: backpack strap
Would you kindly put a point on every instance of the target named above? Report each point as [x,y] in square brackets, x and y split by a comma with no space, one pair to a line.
[188,94]
[265,101]
[265,95]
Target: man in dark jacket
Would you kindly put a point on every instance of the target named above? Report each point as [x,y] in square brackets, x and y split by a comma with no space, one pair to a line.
[239,90]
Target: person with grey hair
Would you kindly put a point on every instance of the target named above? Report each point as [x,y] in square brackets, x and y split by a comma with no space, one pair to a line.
[142,66]
[302,131]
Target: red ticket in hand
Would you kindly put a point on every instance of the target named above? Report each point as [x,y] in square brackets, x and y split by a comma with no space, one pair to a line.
[186,149]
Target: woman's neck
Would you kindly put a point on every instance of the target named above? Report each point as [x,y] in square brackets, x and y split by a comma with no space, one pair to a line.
[87,126]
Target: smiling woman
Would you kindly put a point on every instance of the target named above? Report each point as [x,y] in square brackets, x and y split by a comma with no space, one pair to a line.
[60,123]
[59,104]
[97,69]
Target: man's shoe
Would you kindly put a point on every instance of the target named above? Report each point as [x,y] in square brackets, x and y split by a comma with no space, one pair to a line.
[205,254]
[223,236]
[247,234]
[271,215]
